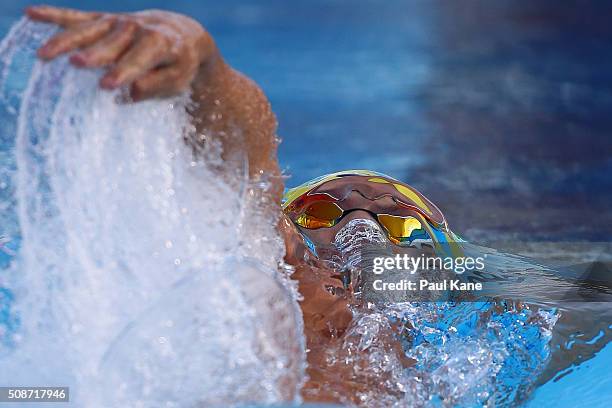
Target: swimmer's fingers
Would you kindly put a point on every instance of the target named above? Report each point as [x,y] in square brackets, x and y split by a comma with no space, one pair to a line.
[159,82]
[61,16]
[76,37]
[107,50]
[150,50]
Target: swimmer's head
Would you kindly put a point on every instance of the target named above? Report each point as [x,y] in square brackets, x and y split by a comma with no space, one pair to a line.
[326,209]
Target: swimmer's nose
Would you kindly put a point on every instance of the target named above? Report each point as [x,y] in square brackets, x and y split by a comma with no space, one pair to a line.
[354,215]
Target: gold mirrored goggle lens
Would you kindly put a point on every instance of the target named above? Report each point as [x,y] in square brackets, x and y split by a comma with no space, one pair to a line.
[399,228]
[322,214]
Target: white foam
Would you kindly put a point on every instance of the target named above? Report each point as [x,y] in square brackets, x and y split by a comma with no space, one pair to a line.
[136,283]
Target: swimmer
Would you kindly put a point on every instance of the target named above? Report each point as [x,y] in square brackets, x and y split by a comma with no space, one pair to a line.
[338,210]
[157,54]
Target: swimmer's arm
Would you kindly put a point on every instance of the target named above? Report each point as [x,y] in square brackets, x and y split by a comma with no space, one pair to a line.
[156,53]
[227,100]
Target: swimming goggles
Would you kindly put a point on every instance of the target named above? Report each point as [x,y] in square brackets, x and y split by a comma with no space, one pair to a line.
[405,214]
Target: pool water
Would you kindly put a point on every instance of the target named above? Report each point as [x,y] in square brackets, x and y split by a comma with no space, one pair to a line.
[499,114]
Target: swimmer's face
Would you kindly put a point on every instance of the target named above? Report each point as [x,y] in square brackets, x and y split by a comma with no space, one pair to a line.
[354,226]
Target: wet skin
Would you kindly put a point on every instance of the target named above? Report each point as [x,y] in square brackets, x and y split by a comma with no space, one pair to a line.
[158,54]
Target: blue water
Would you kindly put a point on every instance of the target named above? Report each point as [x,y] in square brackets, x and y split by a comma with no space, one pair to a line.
[500,113]
[587,386]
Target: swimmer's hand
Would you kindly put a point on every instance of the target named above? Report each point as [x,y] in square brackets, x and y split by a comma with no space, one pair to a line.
[155,53]
[158,53]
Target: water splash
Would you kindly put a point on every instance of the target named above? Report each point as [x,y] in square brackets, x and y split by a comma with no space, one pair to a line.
[129,278]
[485,353]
